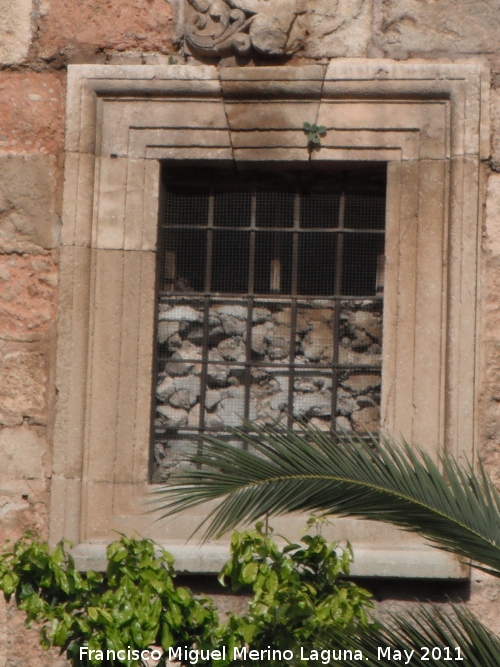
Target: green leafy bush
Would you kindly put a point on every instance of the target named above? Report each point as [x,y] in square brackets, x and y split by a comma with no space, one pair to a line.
[297,592]
[131,606]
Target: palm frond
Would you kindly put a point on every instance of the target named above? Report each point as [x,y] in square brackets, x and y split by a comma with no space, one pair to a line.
[454,635]
[460,631]
[282,470]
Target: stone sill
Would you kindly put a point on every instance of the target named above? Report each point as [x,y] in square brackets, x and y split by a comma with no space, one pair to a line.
[208,559]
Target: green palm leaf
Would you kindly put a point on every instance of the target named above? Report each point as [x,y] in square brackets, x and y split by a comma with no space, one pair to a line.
[433,627]
[282,470]
[436,628]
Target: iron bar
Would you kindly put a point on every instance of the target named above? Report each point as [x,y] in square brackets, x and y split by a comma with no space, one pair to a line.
[206,317]
[293,313]
[250,302]
[339,266]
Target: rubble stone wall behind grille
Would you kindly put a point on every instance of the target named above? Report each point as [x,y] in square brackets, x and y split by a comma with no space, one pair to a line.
[180,336]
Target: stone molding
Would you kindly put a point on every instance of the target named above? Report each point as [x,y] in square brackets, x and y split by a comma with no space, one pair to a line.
[428,122]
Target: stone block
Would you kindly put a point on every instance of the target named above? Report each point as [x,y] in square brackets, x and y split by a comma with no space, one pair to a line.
[331,29]
[117,120]
[22,451]
[151,203]
[495,125]
[362,382]
[270,30]
[263,116]
[261,82]
[491,239]
[28,290]
[80,29]
[23,383]
[133,422]
[27,199]
[32,111]
[490,357]
[15,30]
[77,207]
[456,26]
[111,203]
[429,118]
[366,419]
[141,143]
[72,330]
[20,513]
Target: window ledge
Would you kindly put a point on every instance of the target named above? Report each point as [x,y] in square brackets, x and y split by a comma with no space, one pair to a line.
[208,559]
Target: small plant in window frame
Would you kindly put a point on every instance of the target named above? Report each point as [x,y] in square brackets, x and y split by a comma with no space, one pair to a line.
[314,133]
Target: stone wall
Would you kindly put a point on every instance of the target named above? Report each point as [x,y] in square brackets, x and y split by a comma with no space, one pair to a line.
[348,400]
[38,38]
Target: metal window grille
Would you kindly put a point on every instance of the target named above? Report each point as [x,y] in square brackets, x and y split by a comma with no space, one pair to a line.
[270,303]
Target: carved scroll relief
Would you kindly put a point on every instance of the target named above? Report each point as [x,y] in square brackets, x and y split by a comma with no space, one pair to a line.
[218,28]
[225,27]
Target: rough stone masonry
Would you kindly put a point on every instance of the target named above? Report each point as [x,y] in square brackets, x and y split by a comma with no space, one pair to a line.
[180,331]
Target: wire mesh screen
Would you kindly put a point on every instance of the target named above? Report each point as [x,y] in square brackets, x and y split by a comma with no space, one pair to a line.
[269,307]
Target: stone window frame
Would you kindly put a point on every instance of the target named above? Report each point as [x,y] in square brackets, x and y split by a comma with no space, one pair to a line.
[428,122]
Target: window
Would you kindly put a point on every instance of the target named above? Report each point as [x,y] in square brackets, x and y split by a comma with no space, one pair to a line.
[426,123]
[270,302]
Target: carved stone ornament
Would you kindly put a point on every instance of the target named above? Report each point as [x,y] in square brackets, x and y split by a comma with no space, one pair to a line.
[218,27]
[226,27]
